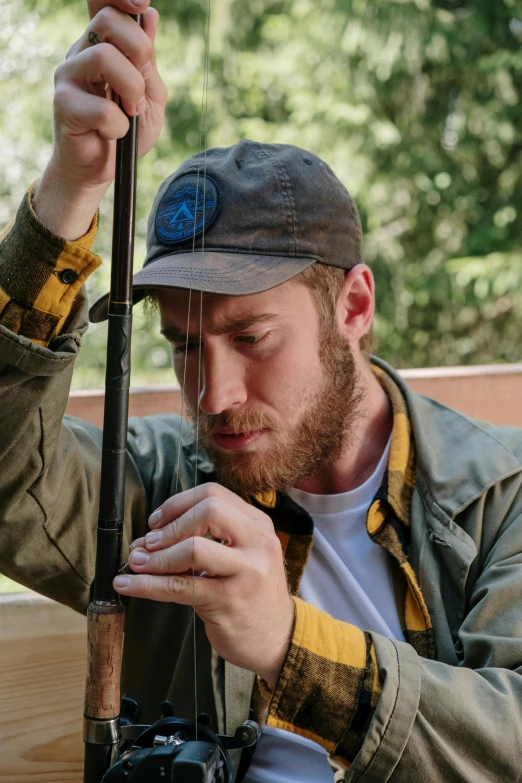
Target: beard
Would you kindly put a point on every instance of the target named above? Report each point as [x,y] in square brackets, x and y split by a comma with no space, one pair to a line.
[319,436]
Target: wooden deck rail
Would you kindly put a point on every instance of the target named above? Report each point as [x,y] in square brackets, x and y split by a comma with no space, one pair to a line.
[491,392]
[42,644]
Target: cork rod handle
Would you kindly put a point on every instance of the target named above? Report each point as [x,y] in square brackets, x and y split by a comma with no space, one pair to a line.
[104,649]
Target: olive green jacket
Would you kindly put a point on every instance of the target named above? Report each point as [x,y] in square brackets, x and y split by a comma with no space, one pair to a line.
[457,718]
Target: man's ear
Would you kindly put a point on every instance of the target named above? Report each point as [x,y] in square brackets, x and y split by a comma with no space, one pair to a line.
[356,303]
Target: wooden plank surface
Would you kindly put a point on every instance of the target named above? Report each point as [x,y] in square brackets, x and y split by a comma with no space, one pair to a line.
[42,671]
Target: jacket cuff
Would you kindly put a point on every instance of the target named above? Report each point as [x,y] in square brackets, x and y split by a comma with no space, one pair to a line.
[329,685]
[41,275]
[398,709]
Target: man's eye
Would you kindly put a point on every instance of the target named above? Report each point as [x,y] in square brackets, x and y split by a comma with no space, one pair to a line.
[251,339]
[186,347]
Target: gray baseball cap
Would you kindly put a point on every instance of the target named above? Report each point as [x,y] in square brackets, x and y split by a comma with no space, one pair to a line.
[243,219]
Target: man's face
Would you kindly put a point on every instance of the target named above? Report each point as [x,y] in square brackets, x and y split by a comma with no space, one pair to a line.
[271,390]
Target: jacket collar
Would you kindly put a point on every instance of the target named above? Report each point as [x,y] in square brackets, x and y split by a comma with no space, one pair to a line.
[457,459]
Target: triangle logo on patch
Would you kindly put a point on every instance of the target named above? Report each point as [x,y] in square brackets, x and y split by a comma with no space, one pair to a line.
[183,213]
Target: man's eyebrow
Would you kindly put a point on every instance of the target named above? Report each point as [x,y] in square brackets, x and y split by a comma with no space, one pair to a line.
[176,335]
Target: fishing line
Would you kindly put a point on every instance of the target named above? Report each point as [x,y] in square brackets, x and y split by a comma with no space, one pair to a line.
[202,146]
[204,133]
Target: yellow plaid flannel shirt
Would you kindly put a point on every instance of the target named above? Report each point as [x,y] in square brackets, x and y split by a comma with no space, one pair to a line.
[40,275]
[329,685]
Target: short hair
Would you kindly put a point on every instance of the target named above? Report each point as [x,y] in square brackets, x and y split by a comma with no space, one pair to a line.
[326,283]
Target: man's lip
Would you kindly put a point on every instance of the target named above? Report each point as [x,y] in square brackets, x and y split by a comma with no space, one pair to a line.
[236,440]
[232,431]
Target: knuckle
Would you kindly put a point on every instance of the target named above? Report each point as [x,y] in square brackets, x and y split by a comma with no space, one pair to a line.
[105,17]
[107,112]
[265,520]
[109,119]
[273,546]
[211,506]
[65,106]
[147,49]
[172,530]
[172,584]
[60,96]
[134,87]
[212,490]
[61,72]
[167,506]
[140,584]
[139,85]
[159,561]
[141,47]
[101,54]
[272,543]
[197,546]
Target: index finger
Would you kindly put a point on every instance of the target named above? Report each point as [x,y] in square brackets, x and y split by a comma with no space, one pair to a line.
[129,6]
[179,504]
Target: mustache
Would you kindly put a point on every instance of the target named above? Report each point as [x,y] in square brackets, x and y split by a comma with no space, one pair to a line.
[247,420]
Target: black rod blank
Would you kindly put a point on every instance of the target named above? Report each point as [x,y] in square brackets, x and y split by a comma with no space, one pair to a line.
[117,375]
[105,615]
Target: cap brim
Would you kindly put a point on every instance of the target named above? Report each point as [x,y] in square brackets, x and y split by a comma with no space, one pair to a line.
[210,271]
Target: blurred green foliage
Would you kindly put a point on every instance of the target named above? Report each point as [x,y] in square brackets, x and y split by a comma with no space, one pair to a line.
[415,104]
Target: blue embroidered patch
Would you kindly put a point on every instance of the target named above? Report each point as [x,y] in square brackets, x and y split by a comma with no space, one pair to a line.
[188,207]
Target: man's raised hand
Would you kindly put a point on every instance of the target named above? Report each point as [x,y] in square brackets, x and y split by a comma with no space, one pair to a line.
[115,56]
[242,597]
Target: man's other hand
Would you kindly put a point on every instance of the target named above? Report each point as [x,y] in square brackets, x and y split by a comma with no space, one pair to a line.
[210,547]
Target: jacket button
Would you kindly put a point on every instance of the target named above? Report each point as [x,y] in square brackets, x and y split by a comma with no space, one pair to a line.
[303,719]
[68,276]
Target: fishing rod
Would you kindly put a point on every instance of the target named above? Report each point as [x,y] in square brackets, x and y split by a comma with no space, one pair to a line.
[106,614]
[117,747]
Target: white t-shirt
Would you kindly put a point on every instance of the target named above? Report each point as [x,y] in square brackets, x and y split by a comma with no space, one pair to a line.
[349,577]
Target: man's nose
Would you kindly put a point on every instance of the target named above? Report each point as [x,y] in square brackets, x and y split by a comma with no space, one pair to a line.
[222,383]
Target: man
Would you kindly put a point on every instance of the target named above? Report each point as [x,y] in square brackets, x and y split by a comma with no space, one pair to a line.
[391,640]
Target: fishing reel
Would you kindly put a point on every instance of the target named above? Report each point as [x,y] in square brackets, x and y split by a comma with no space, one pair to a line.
[175,750]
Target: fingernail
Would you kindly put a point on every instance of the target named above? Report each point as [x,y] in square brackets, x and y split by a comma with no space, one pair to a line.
[154,537]
[141,105]
[137,3]
[139,558]
[147,70]
[122,581]
[155,518]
